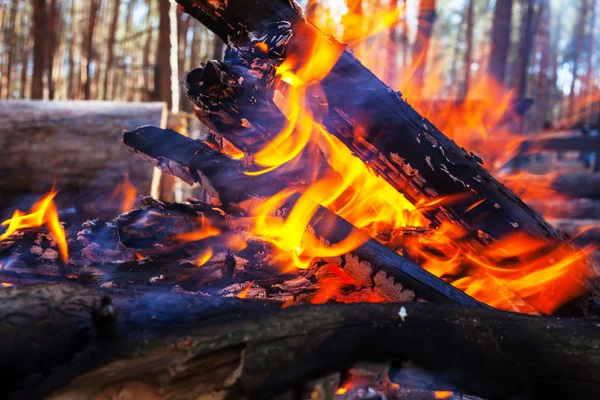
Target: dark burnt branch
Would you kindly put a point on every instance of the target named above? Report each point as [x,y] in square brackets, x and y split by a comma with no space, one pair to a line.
[82,342]
[379,267]
[406,149]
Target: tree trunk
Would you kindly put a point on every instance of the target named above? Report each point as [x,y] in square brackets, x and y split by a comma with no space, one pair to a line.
[40,38]
[527,34]
[89,48]
[544,78]
[148,83]
[579,38]
[162,74]
[391,64]
[85,343]
[10,51]
[469,50]
[71,53]
[501,28]
[427,17]
[53,34]
[589,84]
[110,52]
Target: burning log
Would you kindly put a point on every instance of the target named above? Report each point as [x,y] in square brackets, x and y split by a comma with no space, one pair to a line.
[274,51]
[70,142]
[382,129]
[149,343]
[372,263]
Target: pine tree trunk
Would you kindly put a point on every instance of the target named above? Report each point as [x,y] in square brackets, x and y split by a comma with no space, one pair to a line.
[544,80]
[427,17]
[71,55]
[53,26]
[162,75]
[580,32]
[146,56]
[527,34]
[40,37]
[589,81]
[110,51]
[392,50]
[469,50]
[501,28]
[10,52]
[89,47]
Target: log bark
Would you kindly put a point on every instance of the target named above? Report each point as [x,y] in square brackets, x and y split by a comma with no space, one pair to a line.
[83,343]
[75,144]
[194,161]
[400,145]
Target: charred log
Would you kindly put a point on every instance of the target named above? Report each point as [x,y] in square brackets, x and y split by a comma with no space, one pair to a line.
[83,343]
[399,144]
[393,275]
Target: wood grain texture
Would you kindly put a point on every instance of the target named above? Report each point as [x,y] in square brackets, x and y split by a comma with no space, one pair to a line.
[75,144]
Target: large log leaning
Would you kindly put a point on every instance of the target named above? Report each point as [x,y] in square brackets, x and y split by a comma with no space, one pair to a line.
[81,342]
[192,160]
[400,145]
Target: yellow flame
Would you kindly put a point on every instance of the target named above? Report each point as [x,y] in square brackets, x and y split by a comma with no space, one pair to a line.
[42,212]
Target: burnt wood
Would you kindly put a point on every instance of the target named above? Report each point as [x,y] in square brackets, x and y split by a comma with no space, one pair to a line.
[81,342]
[179,153]
[399,144]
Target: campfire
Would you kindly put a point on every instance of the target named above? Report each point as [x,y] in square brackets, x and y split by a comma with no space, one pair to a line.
[320,185]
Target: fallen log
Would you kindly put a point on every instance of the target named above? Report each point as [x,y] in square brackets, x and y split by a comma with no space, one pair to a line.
[73,144]
[400,145]
[85,343]
[377,266]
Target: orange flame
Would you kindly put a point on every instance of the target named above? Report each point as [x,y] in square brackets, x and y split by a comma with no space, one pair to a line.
[442,394]
[206,231]
[204,257]
[244,293]
[127,192]
[43,212]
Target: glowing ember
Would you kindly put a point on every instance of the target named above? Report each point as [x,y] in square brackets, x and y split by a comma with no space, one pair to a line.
[204,257]
[206,231]
[442,394]
[244,293]
[43,212]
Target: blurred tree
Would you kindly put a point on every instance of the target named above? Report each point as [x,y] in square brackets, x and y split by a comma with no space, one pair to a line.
[10,51]
[110,51]
[88,53]
[40,36]
[579,36]
[427,17]
[500,44]
[469,50]
[162,75]
[525,45]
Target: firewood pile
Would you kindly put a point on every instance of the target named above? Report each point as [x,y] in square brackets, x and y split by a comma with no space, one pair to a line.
[341,247]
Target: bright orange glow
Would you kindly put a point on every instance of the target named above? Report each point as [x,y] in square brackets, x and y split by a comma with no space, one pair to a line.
[206,231]
[6,284]
[126,192]
[341,391]
[204,257]
[244,293]
[442,394]
[43,212]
